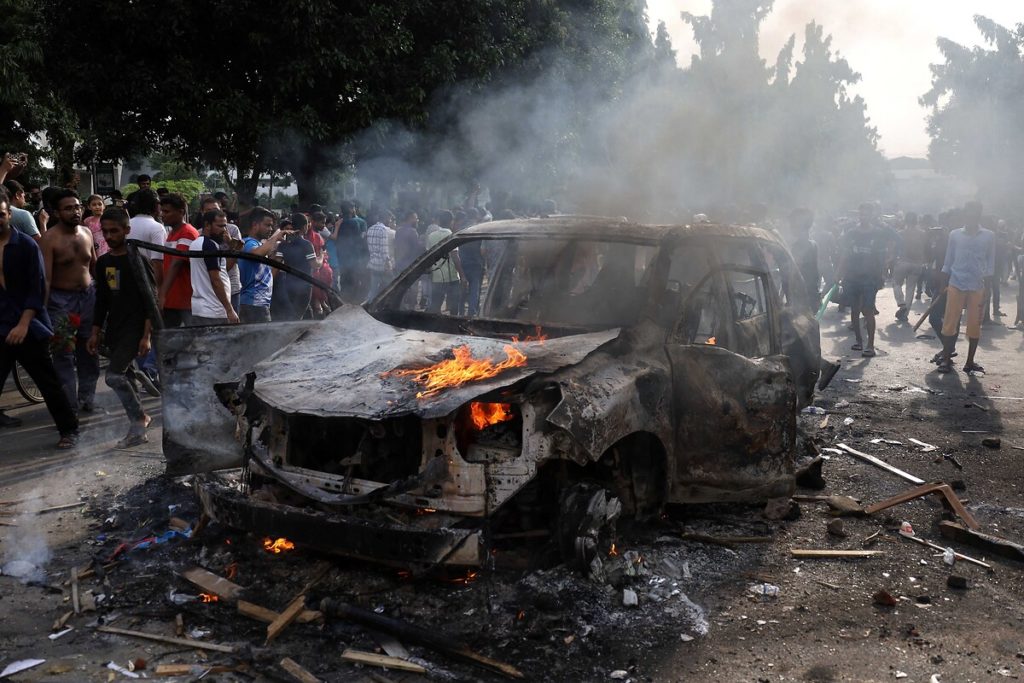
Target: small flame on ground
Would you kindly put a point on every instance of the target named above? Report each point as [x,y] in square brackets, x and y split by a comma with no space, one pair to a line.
[487,414]
[425,511]
[539,336]
[459,370]
[613,551]
[208,597]
[711,341]
[470,577]
[277,546]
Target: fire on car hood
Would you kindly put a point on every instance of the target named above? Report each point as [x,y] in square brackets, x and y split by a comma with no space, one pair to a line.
[345,367]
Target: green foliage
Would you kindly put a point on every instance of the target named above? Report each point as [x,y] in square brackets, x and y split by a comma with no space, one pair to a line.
[976,100]
[189,188]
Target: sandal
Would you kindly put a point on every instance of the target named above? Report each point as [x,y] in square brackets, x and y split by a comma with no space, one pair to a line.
[67,442]
[973,367]
[857,347]
[132,440]
[945,367]
[869,352]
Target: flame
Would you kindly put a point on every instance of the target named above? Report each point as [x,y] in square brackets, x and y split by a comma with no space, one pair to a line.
[470,577]
[425,511]
[538,337]
[459,369]
[207,597]
[487,414]
[712,341]
[277,547]
[613,551]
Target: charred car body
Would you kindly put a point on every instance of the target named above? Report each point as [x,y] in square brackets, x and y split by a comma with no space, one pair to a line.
[666,364]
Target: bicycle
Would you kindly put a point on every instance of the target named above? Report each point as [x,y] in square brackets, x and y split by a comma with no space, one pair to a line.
[25,385]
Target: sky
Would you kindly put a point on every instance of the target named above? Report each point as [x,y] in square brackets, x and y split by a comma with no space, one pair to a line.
[889,42]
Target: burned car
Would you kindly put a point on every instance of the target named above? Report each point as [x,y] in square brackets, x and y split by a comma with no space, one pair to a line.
[607,366]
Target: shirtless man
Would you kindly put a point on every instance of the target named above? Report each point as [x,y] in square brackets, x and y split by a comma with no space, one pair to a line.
[70,259]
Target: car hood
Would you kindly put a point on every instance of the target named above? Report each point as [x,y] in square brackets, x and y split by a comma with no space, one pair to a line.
[343,367]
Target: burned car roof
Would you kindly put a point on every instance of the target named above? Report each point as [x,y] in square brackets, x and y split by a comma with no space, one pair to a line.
[597,227]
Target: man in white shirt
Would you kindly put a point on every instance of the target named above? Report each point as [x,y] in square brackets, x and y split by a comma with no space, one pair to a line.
[211,287]
[146,228]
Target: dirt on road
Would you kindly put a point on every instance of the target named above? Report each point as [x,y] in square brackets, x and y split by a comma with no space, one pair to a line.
[705,611]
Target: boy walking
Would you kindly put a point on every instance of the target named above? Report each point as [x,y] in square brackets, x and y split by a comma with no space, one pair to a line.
[121,307]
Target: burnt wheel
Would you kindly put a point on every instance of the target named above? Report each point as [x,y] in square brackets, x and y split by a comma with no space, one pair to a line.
[586,523]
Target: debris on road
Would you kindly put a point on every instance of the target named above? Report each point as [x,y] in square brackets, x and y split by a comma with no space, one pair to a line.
[993,544]
[944,490]
[878,462]
[812,553]
[925,447]
[934,546]
[992,442]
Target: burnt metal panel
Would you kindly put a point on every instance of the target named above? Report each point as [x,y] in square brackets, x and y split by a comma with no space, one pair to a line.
[198,431]
[314,377]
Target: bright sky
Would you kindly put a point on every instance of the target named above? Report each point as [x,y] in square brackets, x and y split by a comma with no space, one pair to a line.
[890,42]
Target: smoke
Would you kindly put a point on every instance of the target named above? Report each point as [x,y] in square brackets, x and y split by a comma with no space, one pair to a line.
[25,551]
[652,142]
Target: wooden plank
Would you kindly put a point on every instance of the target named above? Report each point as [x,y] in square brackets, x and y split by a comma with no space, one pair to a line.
[211,583]
[807,553]
[181,642]
[881,463]
[383,661]
[62,620]
[179,625]
[993,544]
[191,669]
[284,620]
[297,671]
[75,605]
[55,508]
[259,613]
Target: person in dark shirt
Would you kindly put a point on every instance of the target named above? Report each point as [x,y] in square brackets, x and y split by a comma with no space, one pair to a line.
[291,294]
[862,271]
[120,320]
[350,253]
[25,327]
[805,250]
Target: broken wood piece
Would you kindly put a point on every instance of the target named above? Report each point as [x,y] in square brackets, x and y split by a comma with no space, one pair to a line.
[211,583]
[3,523]
[925,447]
[936,546]
[881,463]
[285,619]
[809,553]
[259,613]
[182,642]
[390,645]
[179,625]
[827,584]
[61,620]
[383,661]
[179,524]
[55,508]
[198,670]
[75,605]
[411,633]
[945,490]
[297,671]
[993,544]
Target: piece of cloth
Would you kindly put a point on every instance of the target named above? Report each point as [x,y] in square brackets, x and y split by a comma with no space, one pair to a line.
[120,304]
[970,259]
[958,300]
[93,223]
[205,302]
[379,239]
[905,275]
[146,229]
[860,296]
[77,369]
[25,287]
[23,221]
[257,278]
[179,295]
[34,357]
[248,313]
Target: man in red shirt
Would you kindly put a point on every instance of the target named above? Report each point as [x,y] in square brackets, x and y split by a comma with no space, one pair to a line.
[176,288]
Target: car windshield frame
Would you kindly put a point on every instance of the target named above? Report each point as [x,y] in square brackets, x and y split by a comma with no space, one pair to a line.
[388,303]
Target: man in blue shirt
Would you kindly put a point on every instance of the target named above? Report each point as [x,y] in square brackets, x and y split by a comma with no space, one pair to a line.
[25,327]
[258,278]
[968,268]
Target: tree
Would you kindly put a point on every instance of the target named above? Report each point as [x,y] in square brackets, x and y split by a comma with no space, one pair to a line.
[976,98]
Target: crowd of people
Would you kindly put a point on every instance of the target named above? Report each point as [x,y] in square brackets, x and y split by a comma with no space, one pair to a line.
[958,260]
